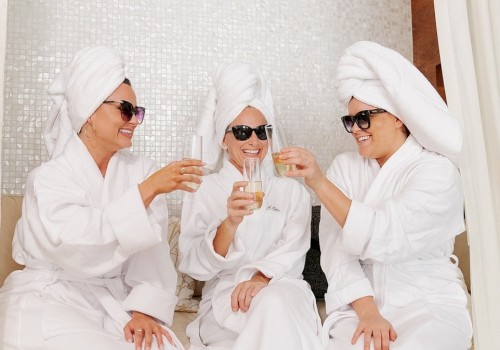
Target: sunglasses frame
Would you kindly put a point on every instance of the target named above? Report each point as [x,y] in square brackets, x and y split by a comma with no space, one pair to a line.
[240,135]
[129,111]
[361,116]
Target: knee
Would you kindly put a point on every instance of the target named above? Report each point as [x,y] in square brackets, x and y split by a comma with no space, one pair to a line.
[279,297]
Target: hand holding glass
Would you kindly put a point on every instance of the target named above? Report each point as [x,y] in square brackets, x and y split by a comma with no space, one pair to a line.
[192,150]
[277,141]
[251,174]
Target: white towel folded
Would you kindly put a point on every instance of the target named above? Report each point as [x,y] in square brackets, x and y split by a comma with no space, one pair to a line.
[92,75]
[383,78]
[236,86]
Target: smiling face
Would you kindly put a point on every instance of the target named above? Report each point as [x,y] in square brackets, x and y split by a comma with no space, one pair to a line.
[384,136]
[112,133]
[251,148]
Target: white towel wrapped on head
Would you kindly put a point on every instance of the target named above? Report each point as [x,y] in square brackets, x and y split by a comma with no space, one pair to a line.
[383,78]
[235,87]
[91,76]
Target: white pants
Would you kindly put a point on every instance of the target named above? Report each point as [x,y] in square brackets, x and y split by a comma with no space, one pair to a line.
[30,321]
[281,316]
[417,326]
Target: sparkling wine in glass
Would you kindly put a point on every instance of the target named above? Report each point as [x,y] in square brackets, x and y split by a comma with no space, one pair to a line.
[192,150]
[277,140]
[251,174]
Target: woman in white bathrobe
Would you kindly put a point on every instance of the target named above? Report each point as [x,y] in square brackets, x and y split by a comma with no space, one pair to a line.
[92,234]
[391,211]
[251,261]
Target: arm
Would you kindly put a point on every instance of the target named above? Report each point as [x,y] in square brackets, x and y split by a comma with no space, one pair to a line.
[207,242]
[70,229]
[331,197]
[170,178]
[236,211]
[425,212]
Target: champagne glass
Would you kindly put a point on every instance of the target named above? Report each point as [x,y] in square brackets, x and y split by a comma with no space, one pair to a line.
[251,174]
[192,150]
[277,140]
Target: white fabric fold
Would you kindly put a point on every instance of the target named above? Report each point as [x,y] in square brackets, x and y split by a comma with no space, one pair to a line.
[92,75]
[383,78]
[236,86]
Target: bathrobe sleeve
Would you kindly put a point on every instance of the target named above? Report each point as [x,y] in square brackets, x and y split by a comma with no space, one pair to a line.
[346,280]
[87,240]
[75,233]
[202,213]
[151,272]
[419,209]
[425,212]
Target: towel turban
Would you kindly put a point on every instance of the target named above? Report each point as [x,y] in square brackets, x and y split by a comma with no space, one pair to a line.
[92,75]
[235,87]
[381,77]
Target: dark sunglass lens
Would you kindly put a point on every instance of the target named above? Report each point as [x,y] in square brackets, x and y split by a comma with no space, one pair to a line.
[139,114]
[347,121]
[127,110]
[242,132]
[260,131]
[363,119]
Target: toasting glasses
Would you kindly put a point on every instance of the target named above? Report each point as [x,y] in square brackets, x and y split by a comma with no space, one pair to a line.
[192,150]
[277,141]
[251,174]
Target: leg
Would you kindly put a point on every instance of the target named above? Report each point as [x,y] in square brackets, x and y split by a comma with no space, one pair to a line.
[282,316]
[30,322]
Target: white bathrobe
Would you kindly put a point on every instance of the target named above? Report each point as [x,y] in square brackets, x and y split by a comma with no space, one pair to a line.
[396,246]
[273,240]
[93,253]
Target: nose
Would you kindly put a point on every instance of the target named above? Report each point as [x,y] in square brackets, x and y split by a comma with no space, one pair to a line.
[134,120]
[253,137]
[355,127]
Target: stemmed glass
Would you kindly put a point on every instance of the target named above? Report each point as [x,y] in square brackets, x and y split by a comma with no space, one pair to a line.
[251,174]
[277,141]
[192,150]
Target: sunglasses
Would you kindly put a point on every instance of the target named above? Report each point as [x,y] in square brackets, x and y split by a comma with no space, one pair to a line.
[244,132]
[128,110]
[362,119]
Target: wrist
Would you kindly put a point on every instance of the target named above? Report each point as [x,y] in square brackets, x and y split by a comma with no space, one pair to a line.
[316,183]
[260,277]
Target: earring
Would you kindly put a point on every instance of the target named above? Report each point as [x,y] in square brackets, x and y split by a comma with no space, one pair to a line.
[224,147]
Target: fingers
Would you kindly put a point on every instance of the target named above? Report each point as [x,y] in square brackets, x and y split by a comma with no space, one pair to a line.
[367,339]
[129,337]
[301,158]
[243,294]
[138,338]
[167,335]
[385,340]
[356,335]
[191,163]
[241,298]
[239,200]
[234,298]
[381,340]
[392,334]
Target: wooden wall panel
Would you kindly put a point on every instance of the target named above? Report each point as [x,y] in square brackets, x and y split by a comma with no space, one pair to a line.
[425,43]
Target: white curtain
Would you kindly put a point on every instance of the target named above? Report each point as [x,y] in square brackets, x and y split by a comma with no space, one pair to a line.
[469,44]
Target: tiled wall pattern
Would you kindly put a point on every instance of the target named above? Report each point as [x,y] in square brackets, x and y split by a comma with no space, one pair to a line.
[172,49]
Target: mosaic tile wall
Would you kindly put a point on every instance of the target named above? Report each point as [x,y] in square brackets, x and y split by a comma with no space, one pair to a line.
[172,49]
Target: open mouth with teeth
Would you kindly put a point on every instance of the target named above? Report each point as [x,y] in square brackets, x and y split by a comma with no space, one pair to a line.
[127,131]
[251,152]
[363,138]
